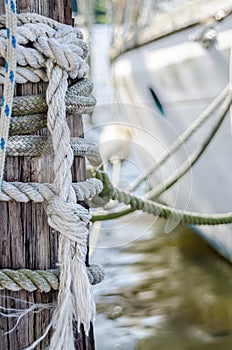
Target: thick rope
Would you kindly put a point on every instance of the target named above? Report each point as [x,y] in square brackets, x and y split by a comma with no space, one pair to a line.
[42,280]
[45,45]
[150,207]
[38,193]
[78,100]
[38,146]
[29,112]
[34,18]
[9,79]
[53,52]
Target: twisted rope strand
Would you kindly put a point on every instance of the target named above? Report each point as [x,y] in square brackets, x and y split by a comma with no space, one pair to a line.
[43,280]
[28,112]
[153,208]
[38,193]
[157,191]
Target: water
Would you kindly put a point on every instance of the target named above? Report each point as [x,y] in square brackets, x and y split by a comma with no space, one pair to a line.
[164,292]
[161,291]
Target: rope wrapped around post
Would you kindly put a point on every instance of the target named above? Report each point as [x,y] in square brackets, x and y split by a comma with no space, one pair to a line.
[43,280]
[53,53]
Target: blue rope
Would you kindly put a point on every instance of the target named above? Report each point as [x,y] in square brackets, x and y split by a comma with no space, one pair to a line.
[10,69]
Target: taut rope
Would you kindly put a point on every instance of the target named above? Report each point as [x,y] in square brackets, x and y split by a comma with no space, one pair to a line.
[153,208]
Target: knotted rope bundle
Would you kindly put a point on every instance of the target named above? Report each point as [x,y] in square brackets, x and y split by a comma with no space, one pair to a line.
[52,52]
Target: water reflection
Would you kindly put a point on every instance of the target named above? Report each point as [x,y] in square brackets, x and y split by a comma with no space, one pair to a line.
[165,292]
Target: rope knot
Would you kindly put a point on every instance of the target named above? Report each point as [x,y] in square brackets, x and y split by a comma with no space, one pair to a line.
[50,40]
[66,50]
[68,218]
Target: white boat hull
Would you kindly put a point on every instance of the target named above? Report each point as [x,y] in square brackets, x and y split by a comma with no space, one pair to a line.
[185,77]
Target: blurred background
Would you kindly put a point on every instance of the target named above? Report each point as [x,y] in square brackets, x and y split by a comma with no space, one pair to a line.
[161,291]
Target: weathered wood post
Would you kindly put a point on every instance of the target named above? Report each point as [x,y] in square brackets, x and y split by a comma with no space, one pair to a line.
[26,239]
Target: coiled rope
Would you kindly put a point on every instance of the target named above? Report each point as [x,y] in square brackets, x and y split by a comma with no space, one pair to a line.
[51,52]
[29,112]
[38,193]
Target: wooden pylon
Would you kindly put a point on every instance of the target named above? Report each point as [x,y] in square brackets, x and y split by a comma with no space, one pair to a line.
[26,240]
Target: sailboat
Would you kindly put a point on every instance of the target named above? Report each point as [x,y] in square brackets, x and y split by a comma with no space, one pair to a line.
[168,71]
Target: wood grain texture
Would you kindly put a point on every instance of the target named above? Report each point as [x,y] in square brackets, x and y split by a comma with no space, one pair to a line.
[26,240]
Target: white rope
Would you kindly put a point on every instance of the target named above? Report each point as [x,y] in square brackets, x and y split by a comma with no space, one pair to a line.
[75,301]
[38,193]
[54,52]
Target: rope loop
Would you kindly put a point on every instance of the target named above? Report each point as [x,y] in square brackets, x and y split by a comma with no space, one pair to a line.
[67,218]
